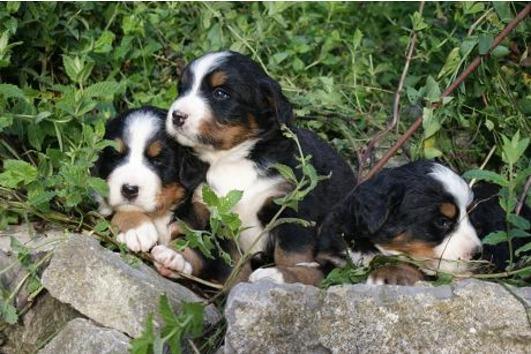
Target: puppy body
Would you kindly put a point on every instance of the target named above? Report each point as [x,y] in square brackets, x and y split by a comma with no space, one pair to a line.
[230,112]
[419,209]
[149,176]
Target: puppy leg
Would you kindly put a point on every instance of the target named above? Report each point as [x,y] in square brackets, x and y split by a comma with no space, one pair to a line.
[136,229]
[395,274]
[294,257]
[170,262]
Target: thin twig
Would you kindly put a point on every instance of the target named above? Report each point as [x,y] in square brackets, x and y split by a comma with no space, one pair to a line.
[523,197]
[489,155]
[470,69]
[363,156]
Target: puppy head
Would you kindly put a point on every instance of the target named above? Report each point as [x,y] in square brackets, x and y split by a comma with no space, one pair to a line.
[143,171]
[419,209]
[225,99]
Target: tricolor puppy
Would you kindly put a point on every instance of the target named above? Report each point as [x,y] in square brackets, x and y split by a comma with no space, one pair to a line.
[230,113]
[419,209]
[149,176]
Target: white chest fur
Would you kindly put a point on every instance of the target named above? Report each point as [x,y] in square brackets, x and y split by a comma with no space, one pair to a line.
[233,171]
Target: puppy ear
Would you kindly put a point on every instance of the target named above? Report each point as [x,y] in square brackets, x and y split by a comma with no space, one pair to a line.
[191,172]
[275,101]
[375,200]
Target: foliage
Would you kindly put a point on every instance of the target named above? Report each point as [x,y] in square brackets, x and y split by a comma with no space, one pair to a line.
[187,324]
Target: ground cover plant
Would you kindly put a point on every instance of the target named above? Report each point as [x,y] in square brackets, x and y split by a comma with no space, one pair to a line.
[67,68]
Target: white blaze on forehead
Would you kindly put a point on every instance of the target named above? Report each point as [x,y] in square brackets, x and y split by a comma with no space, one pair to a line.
[192,104]
[463,242]
[139,130]
[203,66]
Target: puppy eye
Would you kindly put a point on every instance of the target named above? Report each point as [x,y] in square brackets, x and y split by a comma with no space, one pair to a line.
[220,94]
[443,223]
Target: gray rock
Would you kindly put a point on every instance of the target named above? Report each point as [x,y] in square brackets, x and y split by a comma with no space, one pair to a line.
[45,318]
[83,336]
[36,241]
[100,285]
[467,317]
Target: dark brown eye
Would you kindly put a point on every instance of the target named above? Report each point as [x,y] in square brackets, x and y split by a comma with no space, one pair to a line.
[443,223]
[220,94]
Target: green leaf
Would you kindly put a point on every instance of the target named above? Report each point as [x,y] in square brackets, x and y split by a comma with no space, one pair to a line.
[418,22]
[104,42]
[518,221]
[495,238]
[286,172]
[8,313]
[500,51]
[11,91]
[430,123]
[209,197]
[17,172]
[483,175]
[524,248]
[485,41]
[103,89]
[99,185]
[451,64]
[503,10]
[230,200]
[144,343]
[433,92]
[513,149]
[470,7]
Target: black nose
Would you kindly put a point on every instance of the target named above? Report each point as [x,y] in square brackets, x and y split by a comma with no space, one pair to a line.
[477,253]
[178,118]
[129,192]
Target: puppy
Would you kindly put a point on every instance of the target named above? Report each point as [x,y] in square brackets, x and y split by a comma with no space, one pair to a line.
[488,216]
[418,209]
[230,113]
[149,177]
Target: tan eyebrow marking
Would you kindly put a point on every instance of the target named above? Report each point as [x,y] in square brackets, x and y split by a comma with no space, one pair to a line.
[154,149]
[218,78]
[448,209]
[120,145]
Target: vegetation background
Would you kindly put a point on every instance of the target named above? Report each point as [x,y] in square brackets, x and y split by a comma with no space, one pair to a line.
[66,68]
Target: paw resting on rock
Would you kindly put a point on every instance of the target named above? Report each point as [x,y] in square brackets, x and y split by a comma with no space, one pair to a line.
[396,274]
[273,274]
[141,238]
[168,262]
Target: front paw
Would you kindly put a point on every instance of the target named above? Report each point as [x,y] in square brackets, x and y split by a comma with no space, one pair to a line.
[273,274]
[396,274]
[141,238]
[169,262]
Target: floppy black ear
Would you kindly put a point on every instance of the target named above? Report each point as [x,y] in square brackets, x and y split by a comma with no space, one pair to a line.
[192,172]
[375,200]
[276,101]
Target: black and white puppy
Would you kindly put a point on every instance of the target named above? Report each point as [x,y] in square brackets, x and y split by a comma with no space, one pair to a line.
[418,209]
[229,111]
[149,176]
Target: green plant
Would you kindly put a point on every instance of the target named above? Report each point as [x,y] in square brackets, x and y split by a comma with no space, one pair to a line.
[188,324]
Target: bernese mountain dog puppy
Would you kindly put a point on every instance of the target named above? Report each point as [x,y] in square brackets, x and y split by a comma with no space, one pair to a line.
[150,178]
[230,112]
[418,210]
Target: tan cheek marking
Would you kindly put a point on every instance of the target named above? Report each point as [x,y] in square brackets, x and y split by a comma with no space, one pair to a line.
[168,197]
[448,209]
[127,220]
[224,137]
[120,145]
[404,244]
[218,78]
[154,149]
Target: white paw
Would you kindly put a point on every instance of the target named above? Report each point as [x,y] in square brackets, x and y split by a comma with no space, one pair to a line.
[170,259]
[272,274]
[141,238]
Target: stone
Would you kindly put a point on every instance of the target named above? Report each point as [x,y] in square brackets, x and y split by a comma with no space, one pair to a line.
[83,336]
[469,316]
[103,287]
[35,241]
[44,319]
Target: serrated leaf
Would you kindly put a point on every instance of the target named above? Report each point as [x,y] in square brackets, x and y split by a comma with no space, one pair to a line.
[503,10]
[196,311]
[17,172]
[430,123]
[209,197]
[8,313]
[104,42]
[451,64]
[99,185]
[484,175]
[433,92]
[104,89]
[495,238]
[230,200]
[286,172]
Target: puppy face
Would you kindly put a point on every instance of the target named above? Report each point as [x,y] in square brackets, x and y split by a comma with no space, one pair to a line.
[225,99]
[420,209]
[142,172]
